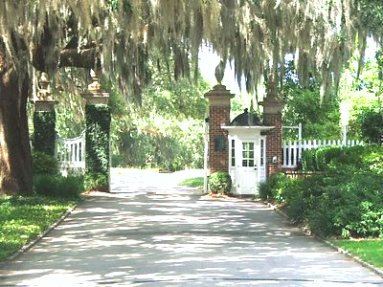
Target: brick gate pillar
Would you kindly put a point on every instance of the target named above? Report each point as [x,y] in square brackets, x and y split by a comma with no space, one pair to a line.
[97,137]
[44,119]
[219,115]
[272,116]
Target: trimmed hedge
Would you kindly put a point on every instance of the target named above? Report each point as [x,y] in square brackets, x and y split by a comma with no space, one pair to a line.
[58,186]
[335,158]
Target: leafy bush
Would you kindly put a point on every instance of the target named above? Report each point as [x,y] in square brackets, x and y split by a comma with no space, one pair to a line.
[59,186]
[323,156]
[274,189]
[344,200]
[44,164]
[373,159]
[264,190]
[96,181]
[341,203]
[308,160]
[220,182]
[370,121]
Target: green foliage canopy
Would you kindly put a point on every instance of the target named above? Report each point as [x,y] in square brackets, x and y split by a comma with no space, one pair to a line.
[166,130]
[256,36]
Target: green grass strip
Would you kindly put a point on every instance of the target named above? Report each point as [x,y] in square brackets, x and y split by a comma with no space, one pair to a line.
[22,219]
[196,182]
[370,251]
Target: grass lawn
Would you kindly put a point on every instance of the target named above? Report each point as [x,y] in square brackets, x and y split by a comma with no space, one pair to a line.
[196,182]
[370,251]
[22,219]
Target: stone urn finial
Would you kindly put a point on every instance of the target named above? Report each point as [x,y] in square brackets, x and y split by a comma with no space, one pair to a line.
[95,86]
[44,81]
[94,94]
[44,94]
[220,71]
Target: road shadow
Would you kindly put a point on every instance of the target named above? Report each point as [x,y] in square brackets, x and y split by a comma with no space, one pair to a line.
[148,233]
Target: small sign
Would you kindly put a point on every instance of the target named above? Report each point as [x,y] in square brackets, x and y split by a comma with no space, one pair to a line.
[219,143]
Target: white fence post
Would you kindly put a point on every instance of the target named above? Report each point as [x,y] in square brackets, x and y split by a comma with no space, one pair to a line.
[71,154]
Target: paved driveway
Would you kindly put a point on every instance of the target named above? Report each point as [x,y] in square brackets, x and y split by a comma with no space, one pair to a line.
[149,232]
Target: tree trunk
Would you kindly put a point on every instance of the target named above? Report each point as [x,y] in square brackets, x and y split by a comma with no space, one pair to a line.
[15,150]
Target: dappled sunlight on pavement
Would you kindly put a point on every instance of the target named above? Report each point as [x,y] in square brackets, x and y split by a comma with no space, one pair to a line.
[149,232]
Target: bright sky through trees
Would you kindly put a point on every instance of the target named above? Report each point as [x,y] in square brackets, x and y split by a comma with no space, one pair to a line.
[208,61]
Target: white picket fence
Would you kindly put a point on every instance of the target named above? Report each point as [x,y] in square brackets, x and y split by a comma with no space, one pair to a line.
[292,150]
[71,154]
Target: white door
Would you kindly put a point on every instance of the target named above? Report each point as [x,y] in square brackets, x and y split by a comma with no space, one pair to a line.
[247,166]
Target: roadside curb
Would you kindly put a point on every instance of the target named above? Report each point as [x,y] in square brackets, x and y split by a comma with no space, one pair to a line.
[329,244]
[354,257]
[28,246]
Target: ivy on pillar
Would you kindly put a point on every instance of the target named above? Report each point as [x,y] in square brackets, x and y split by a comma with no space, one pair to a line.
[97,137]
[44,119]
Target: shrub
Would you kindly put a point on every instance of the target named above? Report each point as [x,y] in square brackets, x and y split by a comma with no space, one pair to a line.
[341,203]
[59,186]
[345,200]
[264,190]
[293,197]
[220,182]
[348,158]
[323,156]
[96,181]
[277,184]
[273,189]
[308,160]
[371,124]
[373,159]
[44,164]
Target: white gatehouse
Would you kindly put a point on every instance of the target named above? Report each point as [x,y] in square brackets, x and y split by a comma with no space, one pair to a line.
[247,153]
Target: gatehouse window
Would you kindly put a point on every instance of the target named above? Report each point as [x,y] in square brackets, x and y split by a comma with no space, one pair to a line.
[262,157]
[232,153]
[247,154]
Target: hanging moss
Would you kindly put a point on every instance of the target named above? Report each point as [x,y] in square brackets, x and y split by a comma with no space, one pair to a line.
[97,151]
[44,136]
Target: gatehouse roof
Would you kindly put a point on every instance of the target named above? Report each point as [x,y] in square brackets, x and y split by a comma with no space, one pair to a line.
[247,119]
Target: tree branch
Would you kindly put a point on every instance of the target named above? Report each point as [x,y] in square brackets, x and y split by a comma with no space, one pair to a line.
[84,58]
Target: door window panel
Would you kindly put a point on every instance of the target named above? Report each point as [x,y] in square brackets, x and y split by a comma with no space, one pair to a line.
[248,154]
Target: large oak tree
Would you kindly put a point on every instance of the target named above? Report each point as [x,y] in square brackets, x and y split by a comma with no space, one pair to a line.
[121,36]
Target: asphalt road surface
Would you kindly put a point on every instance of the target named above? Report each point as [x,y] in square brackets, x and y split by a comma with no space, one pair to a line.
[151,232]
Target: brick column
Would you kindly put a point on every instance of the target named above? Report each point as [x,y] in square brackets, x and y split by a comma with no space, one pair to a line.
[219,114]
[44,119]
[272,116]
